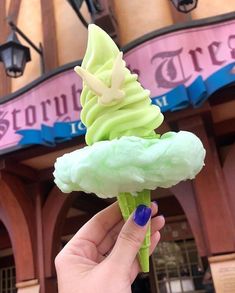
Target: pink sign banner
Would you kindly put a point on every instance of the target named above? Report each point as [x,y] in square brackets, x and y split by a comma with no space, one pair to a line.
[55,100]
[180,68]
[177,58]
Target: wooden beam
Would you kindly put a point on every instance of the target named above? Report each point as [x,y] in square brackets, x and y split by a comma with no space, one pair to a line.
[176,231]
[176,219]
[5,241]
[7,261]
[172,117]
[169,207]
[90,203]
[185,195]
[35,188]
[13,13]
[50,49]
[38,150]
[211,194]
[225,128]
[14,9]
[19,170]
[5,87]
[46,174]
[73,224]
[229,171]
[222,96]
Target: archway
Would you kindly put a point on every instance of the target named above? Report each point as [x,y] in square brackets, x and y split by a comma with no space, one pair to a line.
[53,216]
[16,215]
[7,263]
[185,195]
[178,262]
[57,222]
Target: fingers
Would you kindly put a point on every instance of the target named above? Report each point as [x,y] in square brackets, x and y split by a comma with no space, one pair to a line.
[155,238]
[154,208]
[157,224]
[131,237]
[97,227]
[108,242]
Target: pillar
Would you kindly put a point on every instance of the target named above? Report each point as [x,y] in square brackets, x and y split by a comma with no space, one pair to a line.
[136,18]
[211,194]
[229,173]
[16,212]
[54,213]
[185,195]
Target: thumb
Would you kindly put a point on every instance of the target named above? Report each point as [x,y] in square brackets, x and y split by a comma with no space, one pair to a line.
[131,237]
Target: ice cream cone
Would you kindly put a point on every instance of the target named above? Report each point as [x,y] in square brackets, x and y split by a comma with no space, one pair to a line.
[123,153]
[128,203]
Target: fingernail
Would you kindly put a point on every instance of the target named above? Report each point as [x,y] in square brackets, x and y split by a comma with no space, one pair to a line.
[142,215]
[155,202]
[162,216]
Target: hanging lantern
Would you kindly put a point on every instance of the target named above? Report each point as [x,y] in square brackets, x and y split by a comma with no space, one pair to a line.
[14,56]
[185,6]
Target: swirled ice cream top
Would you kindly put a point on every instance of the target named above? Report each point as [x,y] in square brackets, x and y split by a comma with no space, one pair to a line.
[114,102]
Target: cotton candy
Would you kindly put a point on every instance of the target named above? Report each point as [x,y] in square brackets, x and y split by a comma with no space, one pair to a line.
[130,164]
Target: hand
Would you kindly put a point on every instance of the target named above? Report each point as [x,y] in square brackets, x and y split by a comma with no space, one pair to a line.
[101,257]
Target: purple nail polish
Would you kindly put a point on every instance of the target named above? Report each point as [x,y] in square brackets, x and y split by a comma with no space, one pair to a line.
[142,215]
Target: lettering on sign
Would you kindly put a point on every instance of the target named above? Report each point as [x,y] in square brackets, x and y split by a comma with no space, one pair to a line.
[178,58]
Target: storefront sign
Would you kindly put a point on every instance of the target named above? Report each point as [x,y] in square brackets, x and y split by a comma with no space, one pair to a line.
[196,58]
[180,69]
[48,113]
[223,273]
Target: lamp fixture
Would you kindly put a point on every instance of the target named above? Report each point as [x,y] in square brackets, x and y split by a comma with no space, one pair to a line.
[93,6]
[185,6]
[14,55]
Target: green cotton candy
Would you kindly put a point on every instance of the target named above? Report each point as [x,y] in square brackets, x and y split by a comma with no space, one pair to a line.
[130,164]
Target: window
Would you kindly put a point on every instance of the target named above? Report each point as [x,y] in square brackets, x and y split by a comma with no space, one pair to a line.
[7,280]
[177,267]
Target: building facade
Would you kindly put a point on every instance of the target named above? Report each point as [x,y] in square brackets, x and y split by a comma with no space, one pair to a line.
[187,61]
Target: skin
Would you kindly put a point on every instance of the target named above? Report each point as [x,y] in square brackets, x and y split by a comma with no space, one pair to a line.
[101,257]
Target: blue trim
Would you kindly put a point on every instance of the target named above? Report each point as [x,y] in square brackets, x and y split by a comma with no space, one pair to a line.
[198,92]
[51,135]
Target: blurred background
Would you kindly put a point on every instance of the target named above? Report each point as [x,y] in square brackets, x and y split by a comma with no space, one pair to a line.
[41,41]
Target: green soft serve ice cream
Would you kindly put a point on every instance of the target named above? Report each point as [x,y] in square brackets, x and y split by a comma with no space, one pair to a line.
[133,113]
